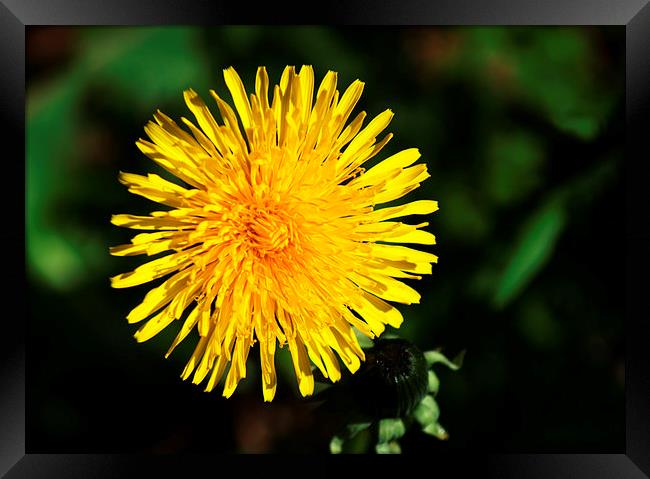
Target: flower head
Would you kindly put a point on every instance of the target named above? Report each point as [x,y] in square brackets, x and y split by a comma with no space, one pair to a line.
[275,237]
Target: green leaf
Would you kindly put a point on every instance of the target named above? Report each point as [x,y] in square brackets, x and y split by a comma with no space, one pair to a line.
[388,448]
[336,445]
[584,126]
[360,443]
[391,429]
[355,428]
[434,383]
[532,250]
[427,412]
[390,335]
[433,357]
[350,431]
[436,430]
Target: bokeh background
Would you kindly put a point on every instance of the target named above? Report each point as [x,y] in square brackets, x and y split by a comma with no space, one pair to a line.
[523,131]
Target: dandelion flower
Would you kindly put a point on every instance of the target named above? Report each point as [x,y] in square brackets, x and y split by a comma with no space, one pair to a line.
[275,237]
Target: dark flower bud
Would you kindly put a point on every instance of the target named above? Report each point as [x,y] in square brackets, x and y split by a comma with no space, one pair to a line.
[392,380]
[390,383]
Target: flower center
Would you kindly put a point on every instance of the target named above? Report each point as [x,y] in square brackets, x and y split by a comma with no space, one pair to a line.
[267,229]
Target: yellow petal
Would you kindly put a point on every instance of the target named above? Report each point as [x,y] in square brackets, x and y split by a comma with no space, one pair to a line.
[330,361]
[374,309]
[154,269]
[387,288]
[217,372]
[154,326]
[366,137]
[188,325]
[269,381]
[401,253]
[407,180]
[153,223]
[155,188]
[194,359]
[420,207]
[237,366]
[343,347]
[238,92]
[370,330]
[390,268]
[205,119]
[306,79]
[301,366]
[393,232]
[347,104]
[207,361]
[262,88]
[231,133]
[160,296]
[417,236]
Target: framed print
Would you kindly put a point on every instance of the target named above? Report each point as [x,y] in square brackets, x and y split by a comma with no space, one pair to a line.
[417,231]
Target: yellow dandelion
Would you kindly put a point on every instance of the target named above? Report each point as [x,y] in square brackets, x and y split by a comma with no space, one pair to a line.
[275,237]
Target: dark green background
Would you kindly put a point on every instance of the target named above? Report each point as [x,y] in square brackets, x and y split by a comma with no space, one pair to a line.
[523,132]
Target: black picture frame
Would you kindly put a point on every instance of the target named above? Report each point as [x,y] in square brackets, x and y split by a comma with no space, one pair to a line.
[16,15]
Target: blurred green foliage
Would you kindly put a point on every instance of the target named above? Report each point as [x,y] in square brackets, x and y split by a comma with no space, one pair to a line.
[531,250]
[142,67]
[522,131]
